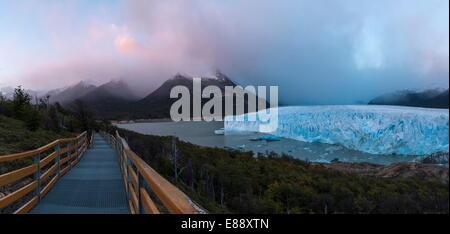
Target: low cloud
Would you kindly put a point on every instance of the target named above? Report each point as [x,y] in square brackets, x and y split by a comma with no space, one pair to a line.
[318,52]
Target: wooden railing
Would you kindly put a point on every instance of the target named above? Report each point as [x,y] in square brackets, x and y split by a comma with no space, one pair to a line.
[139,178]
[44,173]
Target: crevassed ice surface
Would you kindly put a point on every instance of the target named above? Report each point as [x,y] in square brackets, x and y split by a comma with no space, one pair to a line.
[368,128]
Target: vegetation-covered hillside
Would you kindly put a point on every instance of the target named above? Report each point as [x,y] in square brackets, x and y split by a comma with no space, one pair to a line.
[232,181]
[16,138]
[25,125]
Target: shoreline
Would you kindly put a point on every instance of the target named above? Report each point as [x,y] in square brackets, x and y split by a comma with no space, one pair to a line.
[141,121]
[202,134]
[405,169]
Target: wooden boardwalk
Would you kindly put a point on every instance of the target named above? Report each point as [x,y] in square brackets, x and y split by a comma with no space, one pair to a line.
[91,174]
[93,186]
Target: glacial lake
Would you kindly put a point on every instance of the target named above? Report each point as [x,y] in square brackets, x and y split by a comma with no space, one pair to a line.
[202,133]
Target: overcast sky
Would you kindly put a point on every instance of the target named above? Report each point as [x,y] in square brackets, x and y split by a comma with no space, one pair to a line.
[317,51]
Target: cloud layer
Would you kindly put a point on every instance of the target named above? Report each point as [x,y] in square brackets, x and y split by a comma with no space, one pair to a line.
[318,52]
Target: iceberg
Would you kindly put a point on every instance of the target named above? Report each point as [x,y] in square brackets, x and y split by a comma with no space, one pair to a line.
[368,128]
[266,138]
[219,131]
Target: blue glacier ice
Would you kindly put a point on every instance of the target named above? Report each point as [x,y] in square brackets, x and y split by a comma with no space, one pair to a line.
[371,129]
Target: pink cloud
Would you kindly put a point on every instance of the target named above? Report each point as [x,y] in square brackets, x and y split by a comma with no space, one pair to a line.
[127,44]
[303,44]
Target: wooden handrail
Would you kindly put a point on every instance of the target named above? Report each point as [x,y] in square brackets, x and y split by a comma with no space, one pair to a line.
[145,177]
[11,157]
[70,155]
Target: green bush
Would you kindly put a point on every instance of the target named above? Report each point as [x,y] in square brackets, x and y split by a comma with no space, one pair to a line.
[33,119]
[44,115]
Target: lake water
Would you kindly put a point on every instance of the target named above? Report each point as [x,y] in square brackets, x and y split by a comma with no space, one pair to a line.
[202,133]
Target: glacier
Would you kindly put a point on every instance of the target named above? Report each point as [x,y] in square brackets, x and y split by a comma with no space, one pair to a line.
[368,128]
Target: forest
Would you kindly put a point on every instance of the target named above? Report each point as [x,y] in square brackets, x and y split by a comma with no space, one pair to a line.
[224,181]
[27,124]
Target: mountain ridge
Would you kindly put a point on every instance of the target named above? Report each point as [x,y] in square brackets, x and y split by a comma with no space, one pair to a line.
[69,94]
[159,100]
[115,100]
[430,98]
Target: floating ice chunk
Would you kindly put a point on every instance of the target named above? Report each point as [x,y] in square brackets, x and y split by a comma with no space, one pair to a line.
[266,138]
[371,129]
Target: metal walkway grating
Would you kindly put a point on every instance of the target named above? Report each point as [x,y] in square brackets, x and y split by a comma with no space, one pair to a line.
[93,186]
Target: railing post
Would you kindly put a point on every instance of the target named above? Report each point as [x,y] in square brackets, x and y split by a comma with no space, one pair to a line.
[58,158]
[37,175]
[79,144]
[86,141]
[118,151]
[70,144]
[121,157]
[79,148]
[128,177]
[124,162]
[139,185]
[121,154]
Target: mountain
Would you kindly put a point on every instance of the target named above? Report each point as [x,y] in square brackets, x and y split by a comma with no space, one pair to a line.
[113,89]
[158,103]
[432,98]
[163,92]
[110,98]
[66,96]
[115,100]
